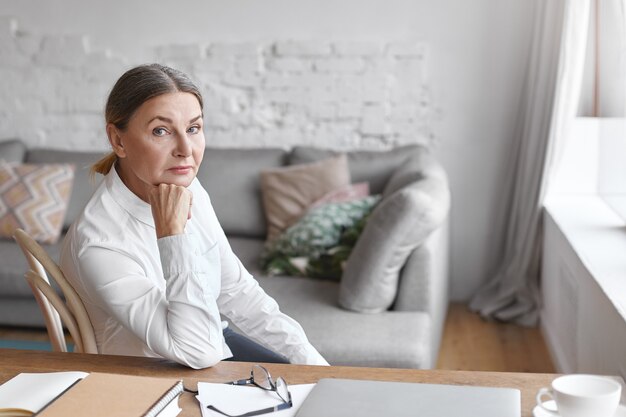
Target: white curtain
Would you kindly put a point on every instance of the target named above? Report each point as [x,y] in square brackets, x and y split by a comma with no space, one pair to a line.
[552,91]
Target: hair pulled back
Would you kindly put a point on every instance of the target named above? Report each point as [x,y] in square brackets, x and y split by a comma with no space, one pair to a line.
[132,89]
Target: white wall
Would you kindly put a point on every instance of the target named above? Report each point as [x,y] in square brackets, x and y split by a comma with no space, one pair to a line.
[477,60]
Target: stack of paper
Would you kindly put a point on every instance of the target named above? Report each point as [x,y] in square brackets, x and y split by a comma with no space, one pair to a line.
[235,400]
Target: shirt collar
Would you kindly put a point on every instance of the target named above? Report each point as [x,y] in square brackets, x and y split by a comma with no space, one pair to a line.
[134,205]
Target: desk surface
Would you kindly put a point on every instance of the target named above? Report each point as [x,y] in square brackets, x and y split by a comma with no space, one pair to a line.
[13,362]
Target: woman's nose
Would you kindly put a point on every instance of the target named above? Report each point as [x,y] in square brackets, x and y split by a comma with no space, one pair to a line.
[183,145]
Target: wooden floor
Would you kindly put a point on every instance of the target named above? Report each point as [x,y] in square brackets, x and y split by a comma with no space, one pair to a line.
[469,343]
[15,333]
[473,344]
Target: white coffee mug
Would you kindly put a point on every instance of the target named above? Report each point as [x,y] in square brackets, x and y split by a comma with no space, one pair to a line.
[581,395]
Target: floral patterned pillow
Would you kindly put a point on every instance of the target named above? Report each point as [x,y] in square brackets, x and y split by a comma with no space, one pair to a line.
[320,242]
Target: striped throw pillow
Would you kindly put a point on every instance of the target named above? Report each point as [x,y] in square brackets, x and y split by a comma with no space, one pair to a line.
[34,197]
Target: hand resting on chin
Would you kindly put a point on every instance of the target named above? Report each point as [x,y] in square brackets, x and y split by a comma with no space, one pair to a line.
[171,208]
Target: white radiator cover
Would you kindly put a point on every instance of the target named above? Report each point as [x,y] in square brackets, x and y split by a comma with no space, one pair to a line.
[583,316]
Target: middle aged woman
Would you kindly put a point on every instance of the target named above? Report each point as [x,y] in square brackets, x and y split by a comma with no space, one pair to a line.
[148,256]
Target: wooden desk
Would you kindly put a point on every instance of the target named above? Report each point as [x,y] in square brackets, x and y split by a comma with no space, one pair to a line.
[13,362]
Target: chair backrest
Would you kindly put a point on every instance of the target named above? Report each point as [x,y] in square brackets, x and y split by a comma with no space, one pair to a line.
[56,312]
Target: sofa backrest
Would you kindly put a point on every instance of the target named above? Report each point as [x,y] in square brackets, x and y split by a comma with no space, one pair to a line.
[231,177]
[83,185]
[375,167]
[12,150]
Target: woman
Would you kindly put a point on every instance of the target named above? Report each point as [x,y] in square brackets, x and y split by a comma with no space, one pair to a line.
[148,256]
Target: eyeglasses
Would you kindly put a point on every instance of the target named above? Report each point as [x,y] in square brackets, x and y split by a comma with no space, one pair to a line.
[260,377]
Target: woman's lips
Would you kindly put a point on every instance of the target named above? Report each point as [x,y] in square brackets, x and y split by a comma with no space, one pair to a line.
[182,170]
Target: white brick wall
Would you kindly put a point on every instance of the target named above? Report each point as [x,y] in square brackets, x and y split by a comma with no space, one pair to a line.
[333,93]
[8,26]
[357,48]
[340,65]
[240,49]
[302,48]
[179,52]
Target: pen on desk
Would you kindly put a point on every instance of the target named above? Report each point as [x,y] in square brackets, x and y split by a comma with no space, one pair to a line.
[57,397]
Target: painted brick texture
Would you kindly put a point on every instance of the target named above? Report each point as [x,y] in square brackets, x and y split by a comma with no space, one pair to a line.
[337,94]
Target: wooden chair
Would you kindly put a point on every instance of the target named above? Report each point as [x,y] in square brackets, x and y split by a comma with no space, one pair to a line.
[55,310]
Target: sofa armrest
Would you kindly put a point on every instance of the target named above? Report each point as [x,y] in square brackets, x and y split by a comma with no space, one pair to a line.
[424,277]
[424,283]
[420,166]
[415,203]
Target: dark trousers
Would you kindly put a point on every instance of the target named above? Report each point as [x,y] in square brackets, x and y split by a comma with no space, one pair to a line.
[246,350]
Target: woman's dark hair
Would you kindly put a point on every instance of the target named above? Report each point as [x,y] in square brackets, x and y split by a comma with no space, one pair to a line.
[135,87]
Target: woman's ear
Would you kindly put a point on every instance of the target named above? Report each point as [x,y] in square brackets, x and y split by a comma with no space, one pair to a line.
[115,139]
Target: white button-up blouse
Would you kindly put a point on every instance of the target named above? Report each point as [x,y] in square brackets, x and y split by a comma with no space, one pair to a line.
[164,298]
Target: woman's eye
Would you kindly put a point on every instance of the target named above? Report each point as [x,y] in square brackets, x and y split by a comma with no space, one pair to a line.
[159,131]
[193,129]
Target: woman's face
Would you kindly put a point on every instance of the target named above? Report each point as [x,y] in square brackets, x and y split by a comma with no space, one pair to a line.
[163,143]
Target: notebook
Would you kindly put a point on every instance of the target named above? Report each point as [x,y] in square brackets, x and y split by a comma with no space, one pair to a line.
[105,395]
[94,395]
[27,393]
[349,398]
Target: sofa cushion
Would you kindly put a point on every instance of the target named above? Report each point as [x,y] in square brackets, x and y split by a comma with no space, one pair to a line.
[340,195]
[231,177]
[34,197]
[14,266]
[390,339]
[321,227]
[320,242]
[399,224]
[289,191]
[12,150]
[248,250]
[421,164]
[21,312]
[343,337]
[84,185]
[375,167]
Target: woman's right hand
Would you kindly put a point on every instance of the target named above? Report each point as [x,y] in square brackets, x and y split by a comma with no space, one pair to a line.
[171,208]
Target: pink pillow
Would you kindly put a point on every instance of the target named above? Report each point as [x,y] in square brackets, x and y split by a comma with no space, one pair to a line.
[288,191]
[348,193]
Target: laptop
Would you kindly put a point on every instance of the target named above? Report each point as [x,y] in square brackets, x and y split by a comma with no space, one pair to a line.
[350,398]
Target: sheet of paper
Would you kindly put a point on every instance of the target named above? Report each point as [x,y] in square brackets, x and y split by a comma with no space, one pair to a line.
[31,391]
[235,400]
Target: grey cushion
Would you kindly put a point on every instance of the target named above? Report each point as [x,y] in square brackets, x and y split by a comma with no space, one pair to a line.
[231,177]
[12,150]
[399,224]
[342,337]
[16,311]
[14,266]
[348,338]
[248,250]
[83,186]
[375,167]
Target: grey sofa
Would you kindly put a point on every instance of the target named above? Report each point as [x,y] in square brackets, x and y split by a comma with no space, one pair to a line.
[405,336]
